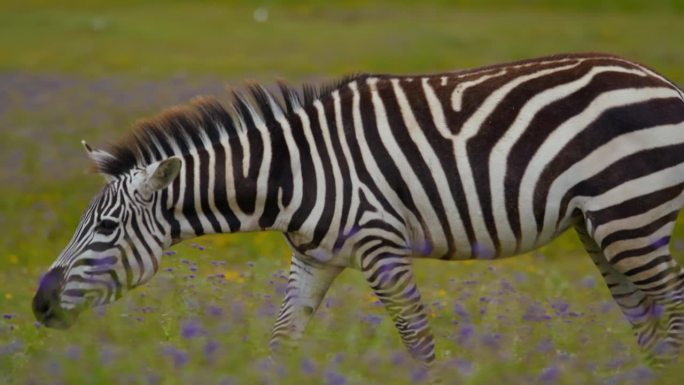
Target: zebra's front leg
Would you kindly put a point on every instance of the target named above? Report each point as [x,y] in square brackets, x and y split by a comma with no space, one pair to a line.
[391,278]
[307,284]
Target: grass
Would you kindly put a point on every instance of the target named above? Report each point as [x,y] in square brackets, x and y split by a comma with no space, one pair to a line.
[211,38]
[89,69]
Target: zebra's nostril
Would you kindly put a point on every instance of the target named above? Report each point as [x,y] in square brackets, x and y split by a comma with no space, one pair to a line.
[47,295]
[44,308]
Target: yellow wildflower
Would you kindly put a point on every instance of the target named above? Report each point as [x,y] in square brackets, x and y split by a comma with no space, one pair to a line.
[371,298]
[13,259]
[233,276]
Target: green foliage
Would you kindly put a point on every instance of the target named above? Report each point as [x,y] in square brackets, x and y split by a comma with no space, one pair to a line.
[88,69]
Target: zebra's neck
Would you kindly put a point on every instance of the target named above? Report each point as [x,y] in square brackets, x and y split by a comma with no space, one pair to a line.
[234,185]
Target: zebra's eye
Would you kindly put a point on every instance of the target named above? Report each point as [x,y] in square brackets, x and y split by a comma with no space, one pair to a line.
[106,226]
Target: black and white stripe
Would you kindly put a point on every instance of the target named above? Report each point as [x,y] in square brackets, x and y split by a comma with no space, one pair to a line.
[377,170]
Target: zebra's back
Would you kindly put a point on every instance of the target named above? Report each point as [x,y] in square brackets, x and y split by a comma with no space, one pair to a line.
[496,161]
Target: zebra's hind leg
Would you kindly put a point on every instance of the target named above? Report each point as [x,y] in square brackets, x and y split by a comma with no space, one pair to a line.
[642,276]
[391,278]
[639,309]
[306,286]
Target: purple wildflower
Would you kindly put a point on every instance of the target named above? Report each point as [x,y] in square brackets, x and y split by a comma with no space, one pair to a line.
[560,307]
[372,319]
[545,346]
[491,340]
[616,362]
[520,277]
[461,312]
[280,288]
[73,352]
[214,311]
[642,374]
[54,368]
[465,333]
[507,287]
[337,358]
[153,378]
[606,306]
[663,348]
[398,358]
[8,316]
[549,374]
[419,375]
[264,364]
[588,282]
[334,378]
[465,367]
[535,313]
[191,329]
[106,355]
[179,357]
[210,348]
[307,366]
[11,348]
[268,310]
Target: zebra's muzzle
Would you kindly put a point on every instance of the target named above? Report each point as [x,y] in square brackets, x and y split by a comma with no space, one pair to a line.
[46,303]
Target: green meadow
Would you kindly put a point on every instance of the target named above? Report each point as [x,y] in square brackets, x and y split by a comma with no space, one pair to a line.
[89,69]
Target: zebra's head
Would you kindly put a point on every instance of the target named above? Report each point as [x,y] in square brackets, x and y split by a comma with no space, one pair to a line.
[117,244]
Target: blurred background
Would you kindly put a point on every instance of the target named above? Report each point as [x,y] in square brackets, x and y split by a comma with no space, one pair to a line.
[87,69]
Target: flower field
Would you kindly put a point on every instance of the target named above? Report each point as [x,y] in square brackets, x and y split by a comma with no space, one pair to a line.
[88,70]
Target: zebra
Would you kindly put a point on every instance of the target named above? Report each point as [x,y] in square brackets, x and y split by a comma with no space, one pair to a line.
[376,171]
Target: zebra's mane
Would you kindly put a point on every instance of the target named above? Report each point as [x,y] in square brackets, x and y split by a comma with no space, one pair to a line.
[178,130]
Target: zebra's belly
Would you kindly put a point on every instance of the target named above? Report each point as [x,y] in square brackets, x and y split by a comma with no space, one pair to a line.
[503,247]
[427,240]
[506,250]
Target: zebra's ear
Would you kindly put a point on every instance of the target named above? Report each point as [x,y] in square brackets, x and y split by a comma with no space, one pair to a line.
[162,174]
[99,157]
